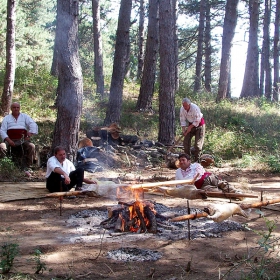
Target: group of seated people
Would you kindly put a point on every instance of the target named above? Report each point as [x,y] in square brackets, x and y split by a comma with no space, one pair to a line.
[18,128]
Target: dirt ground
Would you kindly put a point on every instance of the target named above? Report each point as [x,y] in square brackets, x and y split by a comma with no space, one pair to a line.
[39,224]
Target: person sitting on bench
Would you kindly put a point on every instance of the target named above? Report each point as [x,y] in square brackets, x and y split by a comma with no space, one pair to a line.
[16,130]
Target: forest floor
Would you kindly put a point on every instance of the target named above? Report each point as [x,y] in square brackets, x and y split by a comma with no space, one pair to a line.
[70,251]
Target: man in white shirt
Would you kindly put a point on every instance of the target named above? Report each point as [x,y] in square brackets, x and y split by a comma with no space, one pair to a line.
[16,130]
[205,180]
[61,173]
[193,125]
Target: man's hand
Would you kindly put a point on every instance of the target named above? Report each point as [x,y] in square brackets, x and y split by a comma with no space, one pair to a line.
[88,181]
[67,180]
[29,134]
[188,129]
[10,142]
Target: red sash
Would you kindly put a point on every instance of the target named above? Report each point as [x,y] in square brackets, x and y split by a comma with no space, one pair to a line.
[16,134]
[200,182]
[202,122]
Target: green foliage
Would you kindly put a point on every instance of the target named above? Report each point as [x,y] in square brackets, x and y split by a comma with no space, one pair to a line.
[34,33]
[40,265]
[7,255]
[273,162]
[8,169]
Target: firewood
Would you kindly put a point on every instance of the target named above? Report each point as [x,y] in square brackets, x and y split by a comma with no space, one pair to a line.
[119,225]
[140,216]
[152,218]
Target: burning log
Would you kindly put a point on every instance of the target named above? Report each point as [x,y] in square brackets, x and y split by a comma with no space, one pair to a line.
[152,218]
[137,216]
[141,219]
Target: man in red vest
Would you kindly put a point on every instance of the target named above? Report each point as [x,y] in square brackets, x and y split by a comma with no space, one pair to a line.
[193,125]
[17,130]
[205,180]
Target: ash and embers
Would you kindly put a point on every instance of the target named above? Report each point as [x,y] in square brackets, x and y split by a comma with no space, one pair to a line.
[86,226]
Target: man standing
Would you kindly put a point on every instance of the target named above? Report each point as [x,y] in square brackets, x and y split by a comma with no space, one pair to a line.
[61,173]
[193,125]
[16,130]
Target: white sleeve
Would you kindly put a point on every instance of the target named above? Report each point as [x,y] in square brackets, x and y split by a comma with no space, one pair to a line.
[183,117]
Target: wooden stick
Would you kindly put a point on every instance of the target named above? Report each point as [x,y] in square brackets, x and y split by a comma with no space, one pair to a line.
[229,195]
[165,183]
[69,193]
[189,217]
[259,204]
[242,206]
[58,194]
[176,143]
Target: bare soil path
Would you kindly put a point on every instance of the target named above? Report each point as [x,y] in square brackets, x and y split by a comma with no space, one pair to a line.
[72,252]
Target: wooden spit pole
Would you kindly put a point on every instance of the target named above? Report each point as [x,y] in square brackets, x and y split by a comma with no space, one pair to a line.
[242,206]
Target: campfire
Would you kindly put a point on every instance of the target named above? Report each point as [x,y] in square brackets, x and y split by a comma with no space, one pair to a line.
[137,216]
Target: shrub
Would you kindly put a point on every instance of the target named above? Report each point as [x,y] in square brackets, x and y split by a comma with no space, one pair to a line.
[8,253]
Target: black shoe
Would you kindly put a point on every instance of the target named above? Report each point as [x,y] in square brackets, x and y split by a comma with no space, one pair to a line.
[71,197]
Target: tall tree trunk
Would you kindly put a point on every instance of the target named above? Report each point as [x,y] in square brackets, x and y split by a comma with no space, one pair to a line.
[228,95]
[70,81]
[98,56]
[141,39]
[228,34]
[9,79]
[208,49]
[265,73]
[250,85]
[167,23]
[276,53]
[199,53]
[144,102]
[121,60]
[175,11]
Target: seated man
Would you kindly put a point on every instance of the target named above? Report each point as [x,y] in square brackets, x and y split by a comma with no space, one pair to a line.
[16,130]
[61,173]
[205,180]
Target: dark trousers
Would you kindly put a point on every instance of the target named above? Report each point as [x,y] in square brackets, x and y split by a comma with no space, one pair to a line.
[214,184]
[55,183]
[198,133]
